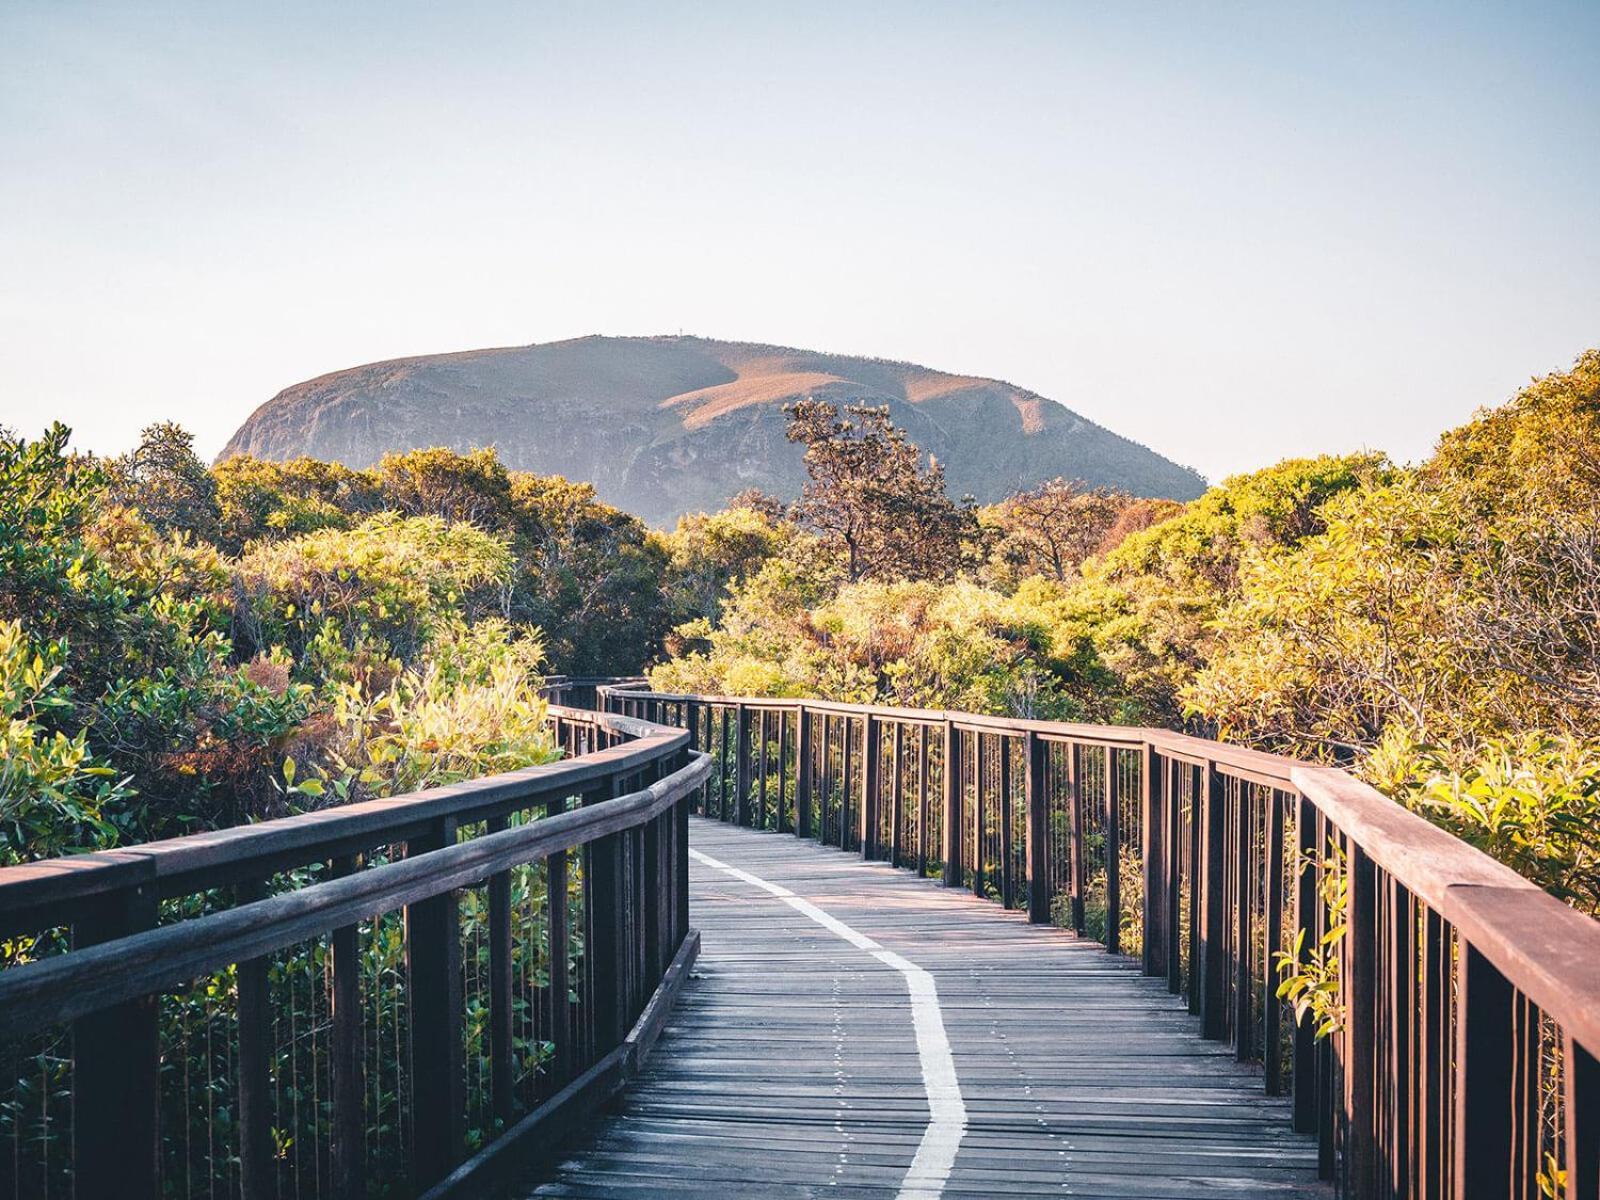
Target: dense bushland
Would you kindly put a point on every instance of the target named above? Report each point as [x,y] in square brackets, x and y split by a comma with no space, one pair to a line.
[172,635]
[1437,627]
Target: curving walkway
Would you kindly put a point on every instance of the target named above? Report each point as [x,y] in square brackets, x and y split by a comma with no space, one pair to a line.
[832,998]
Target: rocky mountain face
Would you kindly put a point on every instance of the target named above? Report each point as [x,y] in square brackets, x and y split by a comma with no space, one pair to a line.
[668,425]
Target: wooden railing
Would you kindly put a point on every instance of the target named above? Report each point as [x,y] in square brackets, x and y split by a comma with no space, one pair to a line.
[1465,1000]
[397,997]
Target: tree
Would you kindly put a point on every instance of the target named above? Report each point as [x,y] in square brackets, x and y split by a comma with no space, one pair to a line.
[166,481]
[1050,529]
[868,498]
[589,576]
[259,498]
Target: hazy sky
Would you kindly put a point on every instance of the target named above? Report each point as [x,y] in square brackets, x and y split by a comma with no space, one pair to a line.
[1236,232]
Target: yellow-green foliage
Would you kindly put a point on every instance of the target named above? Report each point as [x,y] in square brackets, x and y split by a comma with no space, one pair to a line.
[152,685]
[1450,604]
[707,552]
[347,599]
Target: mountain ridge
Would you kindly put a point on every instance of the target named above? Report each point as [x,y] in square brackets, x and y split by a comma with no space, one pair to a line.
[673,423]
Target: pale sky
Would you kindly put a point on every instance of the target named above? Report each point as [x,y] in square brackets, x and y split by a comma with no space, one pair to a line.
[1235,232]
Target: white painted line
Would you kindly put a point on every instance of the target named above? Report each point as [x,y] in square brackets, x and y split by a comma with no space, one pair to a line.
[947,1112]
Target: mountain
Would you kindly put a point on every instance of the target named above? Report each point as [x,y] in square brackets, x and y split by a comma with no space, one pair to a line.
[668,425]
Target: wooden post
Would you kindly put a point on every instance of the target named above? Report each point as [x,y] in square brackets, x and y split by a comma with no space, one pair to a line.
[802,768]
[116,1148]
[256,1177]
[724,809]
[741,766]
[1113,836]
[761,769]
[1213,951]
[1271,1006]
[1151,854]
[897,792]
[1360,988]
[871,735]
[1034,751]
[1008,884]
[1172,922]
[980,882]
[784,824]
[1305,915]
[1582,1111]
[1075,850]
[433,986]
[950,832]
[924,805]
[349,1132]
[557,922]
[1243,993]
[1486,1045]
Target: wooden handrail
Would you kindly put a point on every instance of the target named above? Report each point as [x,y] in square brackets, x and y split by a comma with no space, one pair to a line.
[1459,983]
[613,948]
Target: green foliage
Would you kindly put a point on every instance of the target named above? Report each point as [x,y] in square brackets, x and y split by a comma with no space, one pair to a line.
[1531,802]
[588,575]
[709,552]
[166,482]
[1309,975]
[1450,604]
[351,602]
[54,794]
[262,499]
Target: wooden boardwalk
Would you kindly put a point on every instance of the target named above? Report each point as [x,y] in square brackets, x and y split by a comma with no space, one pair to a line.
[792,1065]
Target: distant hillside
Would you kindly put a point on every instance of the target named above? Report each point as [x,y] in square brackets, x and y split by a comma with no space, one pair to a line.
[668,425]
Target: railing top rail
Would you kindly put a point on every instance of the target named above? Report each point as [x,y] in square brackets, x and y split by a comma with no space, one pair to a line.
[1546,949]
[45,891]
[93,978]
